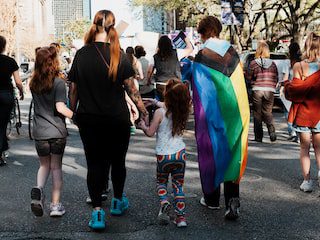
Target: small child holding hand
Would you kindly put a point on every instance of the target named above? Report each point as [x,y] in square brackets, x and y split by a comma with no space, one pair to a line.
[169,122]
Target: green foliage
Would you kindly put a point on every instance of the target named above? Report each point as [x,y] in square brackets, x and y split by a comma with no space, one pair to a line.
[190,11]
[75,30]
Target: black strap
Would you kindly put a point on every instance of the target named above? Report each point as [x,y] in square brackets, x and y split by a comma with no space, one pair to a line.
[105,62]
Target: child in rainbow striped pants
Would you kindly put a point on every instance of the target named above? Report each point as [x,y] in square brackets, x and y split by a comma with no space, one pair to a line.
[169,122]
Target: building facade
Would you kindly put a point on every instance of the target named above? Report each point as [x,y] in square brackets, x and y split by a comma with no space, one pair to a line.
[34,26]
[69,10]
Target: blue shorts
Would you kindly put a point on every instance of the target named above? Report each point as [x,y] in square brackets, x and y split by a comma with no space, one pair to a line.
[302,129]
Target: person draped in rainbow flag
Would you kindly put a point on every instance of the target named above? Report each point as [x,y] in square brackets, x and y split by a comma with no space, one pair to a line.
[222,118]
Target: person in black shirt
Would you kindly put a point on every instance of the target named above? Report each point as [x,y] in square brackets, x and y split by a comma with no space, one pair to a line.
[8,67]
[99,74]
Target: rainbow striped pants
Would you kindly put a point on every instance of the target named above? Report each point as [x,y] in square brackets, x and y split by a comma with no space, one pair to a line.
[173,164]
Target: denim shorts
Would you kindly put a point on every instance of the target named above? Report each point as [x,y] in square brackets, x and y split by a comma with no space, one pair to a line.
[50,146]
[302,129]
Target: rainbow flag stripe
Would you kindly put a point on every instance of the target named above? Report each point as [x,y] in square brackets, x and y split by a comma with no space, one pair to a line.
[222,115]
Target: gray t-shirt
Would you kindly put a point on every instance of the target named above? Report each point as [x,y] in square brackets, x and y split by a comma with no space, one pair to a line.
[47,122]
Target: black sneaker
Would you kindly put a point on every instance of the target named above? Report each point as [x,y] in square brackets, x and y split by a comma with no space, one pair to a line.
[233,209]
[37,200]
[163,216]
[2,162]
[273,137]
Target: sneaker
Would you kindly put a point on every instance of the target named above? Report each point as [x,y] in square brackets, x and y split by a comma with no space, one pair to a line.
[132,130]
[37,200]
[163,216]
[180,221]
[57,210]
[306,186]
[97,221]
[273,137]
[203,203]
[2,161]
[233,209]
[119,206]
[104,197]
[88,200]
[5,154]
[258,140]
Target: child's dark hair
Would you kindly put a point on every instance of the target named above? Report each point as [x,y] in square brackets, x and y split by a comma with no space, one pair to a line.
[177,101]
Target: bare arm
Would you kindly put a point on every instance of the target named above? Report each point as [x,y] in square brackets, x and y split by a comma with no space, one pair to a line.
[73,96]
[64,110]
[18,82]
[140,72]
[152,129]
[134,94]
[149,73]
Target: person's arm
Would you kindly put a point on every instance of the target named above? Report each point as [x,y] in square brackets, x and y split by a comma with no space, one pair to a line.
[150,73]
[152,129]
[64,110]
[140,71]
[18,82]
[73,78]
[135,96]
[73,96]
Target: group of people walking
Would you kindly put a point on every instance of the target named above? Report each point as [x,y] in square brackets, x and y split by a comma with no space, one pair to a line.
[104,78]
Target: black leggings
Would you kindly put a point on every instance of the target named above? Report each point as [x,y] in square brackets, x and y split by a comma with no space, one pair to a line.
[105,142]
[6,105]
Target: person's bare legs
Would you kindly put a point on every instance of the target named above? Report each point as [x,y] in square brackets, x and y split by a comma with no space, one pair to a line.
[56,170]
[305,140]
[316,147]
[44,171]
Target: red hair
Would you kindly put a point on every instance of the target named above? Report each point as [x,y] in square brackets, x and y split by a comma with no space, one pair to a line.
[106,20]
[177,101]
[46,69]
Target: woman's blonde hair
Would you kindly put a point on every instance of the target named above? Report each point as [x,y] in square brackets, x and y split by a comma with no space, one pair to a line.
[104,19]
[312,47]
[263,50]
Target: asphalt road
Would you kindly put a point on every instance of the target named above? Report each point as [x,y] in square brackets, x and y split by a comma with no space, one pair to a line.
[272,207]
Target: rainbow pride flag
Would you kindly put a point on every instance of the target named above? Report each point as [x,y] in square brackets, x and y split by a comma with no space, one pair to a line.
[222,114]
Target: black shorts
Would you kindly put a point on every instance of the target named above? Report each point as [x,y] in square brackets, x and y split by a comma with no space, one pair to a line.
[50,146]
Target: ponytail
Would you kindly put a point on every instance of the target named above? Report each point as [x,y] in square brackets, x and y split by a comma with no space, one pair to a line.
[91,34]
[114,52]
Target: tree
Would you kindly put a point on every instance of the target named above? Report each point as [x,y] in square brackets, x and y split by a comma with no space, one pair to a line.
[8,19]
[75,30]
[294,17]
[190,11]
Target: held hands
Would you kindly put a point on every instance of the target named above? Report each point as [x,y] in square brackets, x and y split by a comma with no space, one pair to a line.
[149,102]
[142,125]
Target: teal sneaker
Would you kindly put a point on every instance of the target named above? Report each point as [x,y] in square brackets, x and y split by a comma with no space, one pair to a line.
[97,221]
[119,206]
[132,130]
